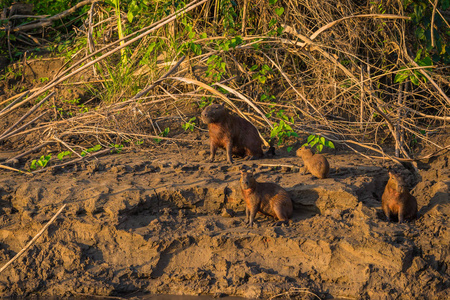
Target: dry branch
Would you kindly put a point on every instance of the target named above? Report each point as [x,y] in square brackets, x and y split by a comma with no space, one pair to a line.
[48,21]
[32,110]
[13,169]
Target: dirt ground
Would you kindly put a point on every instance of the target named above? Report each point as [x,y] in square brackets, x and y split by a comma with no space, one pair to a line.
[165,222]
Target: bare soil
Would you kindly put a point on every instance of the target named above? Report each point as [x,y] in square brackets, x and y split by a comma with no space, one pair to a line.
[165,222]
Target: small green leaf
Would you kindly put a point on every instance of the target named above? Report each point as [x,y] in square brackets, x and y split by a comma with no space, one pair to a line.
[279,11]
[130,16]
[414,79]
[322,140]
[320,148]
[310,138]
[289,149]
[330,144]
[400,77]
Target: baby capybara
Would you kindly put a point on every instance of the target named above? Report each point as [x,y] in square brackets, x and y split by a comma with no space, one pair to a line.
[316,164]
[235,134]
[397,202]
[266,197]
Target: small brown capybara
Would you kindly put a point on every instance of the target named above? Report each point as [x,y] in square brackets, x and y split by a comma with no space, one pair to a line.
[397,202]
[235,134]
[316,164]
[266,197]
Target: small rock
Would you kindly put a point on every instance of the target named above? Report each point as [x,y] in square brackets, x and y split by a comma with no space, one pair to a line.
[417,265]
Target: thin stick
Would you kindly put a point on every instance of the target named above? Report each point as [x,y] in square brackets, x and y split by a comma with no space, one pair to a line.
[432,22]
[48,21]
[399,120]
[14,102]
[375,16]
[27,114]
[34,239]
[361,108]
[67,146]
[12,169]
[23,126]
[29,151]
[244,16]
[147,89]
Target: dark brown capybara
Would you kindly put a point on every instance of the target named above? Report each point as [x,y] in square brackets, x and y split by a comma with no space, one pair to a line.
[265,197]
[235,134]
[396,201]
[316,164]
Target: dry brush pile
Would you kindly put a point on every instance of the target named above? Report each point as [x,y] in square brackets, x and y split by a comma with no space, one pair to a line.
[348,71]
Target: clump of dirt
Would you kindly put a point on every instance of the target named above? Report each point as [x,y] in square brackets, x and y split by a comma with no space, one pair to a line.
[167,222]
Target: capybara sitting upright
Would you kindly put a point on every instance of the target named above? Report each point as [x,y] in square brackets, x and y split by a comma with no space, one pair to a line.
[397,202]
[235,134]
[266,197]
[316,164]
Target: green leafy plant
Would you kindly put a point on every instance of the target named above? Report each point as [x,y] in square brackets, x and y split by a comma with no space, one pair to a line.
[189,125]
[41,162]
[63,154]
[92,149]
[282,131]
[164,133]
[117,148]
[262,74]
[319,142]
[205,101]
[216,67]
[414,75]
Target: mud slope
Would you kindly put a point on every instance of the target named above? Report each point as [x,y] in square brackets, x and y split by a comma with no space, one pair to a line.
[169,223]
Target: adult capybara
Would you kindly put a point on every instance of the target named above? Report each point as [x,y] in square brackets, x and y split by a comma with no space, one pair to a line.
[235,134]
[396,201]
[316,164]
[266,197]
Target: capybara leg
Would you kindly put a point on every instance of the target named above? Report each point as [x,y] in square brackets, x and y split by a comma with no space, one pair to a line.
[247,215]
[253,212]
[281,216]
[387,212]
[212,149]
[401,214]
[229,152]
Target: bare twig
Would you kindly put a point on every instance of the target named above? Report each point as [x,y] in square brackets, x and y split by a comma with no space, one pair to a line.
[33,240]
[15,170]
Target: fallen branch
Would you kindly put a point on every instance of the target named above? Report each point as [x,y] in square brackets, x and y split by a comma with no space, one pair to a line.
[28,152]
[15,170]
[48,21]
[14,102]
[33,240]
[27,114]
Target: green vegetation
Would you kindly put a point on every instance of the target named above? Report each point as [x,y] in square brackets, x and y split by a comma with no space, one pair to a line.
[189,125]
[41,162]
[98,147]
[300,70]
[319,142]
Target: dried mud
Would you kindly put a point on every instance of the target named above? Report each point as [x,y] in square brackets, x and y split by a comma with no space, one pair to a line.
[165,222]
